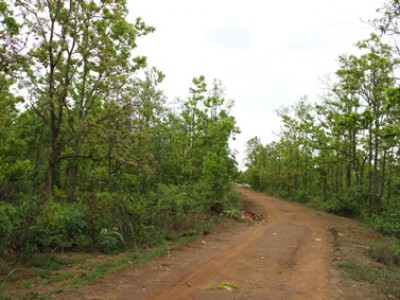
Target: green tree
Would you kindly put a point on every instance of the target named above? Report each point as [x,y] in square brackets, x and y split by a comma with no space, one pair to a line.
[82,55]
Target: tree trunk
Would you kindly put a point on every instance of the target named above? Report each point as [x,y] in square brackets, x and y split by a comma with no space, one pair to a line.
[51,168]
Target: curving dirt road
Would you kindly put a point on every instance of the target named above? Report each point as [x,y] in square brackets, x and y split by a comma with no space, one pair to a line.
[286,257]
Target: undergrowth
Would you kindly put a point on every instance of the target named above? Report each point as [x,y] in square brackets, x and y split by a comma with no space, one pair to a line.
[378,265]
[56,272]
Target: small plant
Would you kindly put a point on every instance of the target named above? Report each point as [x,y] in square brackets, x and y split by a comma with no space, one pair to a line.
[225,286]
[110,239]
[233,213]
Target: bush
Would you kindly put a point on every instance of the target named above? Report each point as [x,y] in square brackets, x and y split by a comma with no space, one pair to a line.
[387,222]
[9,223]
[173,205]
[51,225]
[110,239]
[342,207]
[300,196]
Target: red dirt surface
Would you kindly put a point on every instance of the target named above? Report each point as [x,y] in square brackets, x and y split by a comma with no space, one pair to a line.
[287,256]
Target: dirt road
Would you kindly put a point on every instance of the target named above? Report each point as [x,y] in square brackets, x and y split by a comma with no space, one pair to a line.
[286,257]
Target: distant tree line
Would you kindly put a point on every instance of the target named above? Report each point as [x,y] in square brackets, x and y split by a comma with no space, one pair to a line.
[343,152]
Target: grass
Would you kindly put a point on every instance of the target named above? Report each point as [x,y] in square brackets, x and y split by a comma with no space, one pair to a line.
[116,263]
[359,272]
[378,264]
[386,252]
[386,279]
[44,261]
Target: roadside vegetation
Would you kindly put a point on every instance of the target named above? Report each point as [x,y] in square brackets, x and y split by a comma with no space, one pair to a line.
[43,275]
[93,158]
[368,262]
[341,153]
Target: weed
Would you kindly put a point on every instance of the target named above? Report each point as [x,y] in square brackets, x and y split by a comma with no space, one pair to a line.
[42,273]
[232,213]
[359,272]
[388,278]
[387,252]
[225,286]
[392,292]
[44,261]
[28,283]
[110,239]
[346,265]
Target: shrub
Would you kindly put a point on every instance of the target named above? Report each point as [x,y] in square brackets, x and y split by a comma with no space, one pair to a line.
[172,206]
[301,196]
[387,222]
[52,225]
[9,223]
[341,206]
[110,239]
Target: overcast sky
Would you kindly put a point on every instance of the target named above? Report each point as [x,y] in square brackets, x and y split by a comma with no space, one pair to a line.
[266,53]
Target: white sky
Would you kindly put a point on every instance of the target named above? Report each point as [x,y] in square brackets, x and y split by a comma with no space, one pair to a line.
[267,53]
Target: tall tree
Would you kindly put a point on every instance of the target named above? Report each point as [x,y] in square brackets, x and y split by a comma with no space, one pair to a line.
[82,54]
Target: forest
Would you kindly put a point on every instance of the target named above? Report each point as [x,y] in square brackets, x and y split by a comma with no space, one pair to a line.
[342,153]
[91,155]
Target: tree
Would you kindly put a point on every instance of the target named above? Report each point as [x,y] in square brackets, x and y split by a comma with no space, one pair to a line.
[12,60]
[82,55]
[346,144]
[373,75]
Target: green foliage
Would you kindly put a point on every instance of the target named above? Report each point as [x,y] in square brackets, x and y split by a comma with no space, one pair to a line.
[340,154]
[387,222]
[44,261]
[174,205]
[342,206]
[110,239]
[232,212]
[9,223]
[225,286]
[98,160]
[55,226]
[7,19]
[300,196]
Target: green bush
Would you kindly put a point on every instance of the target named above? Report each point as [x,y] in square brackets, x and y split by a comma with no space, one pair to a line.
[172,206]
[51,225]
[341,206]
[107,221]
[301,196]
[110,239]
[9,223]
[387,222]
